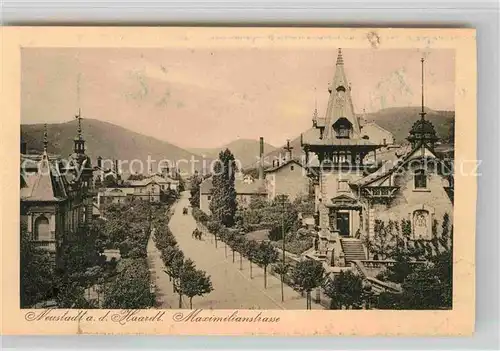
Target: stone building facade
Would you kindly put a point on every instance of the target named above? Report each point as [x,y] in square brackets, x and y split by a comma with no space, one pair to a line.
[56,195]
[354,188]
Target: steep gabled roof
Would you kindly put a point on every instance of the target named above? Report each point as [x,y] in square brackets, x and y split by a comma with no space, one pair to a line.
[44,185]
[391,166]
[340,101]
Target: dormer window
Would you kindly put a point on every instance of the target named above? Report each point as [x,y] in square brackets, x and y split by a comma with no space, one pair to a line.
[342,128]
[420,179]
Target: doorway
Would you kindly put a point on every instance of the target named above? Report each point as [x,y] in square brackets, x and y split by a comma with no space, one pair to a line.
[343,223]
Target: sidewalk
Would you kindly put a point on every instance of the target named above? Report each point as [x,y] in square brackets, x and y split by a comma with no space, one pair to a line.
[233,288]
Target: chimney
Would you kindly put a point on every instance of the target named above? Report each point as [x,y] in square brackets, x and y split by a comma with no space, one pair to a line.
[288,148]
[99,162]
[23,147]
[261,159]
[116,167]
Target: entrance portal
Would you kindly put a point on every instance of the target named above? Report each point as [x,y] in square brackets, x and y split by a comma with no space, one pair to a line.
[343,223]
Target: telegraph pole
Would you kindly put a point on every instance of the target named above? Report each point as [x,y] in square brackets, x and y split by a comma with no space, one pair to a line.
[283,249]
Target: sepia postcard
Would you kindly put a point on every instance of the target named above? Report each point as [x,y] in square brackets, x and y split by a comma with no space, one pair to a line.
[238,181]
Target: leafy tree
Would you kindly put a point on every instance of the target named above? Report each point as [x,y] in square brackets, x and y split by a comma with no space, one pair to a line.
[238,244]
[402,266]
[71,295]
[37,273]
[446,239]
[251,248]
[215,227]
[381,243]
[304,204]
[308,275]
[173,258]
[430,286]
[130,289]
[254,172]
[451,132]
[182,184]
[388,301]
[282,268]
[194,186]
[110,181]
[193,282]
[281,215]
[223,204]
[265,255]
[345,290]
[136,176]
[257,203]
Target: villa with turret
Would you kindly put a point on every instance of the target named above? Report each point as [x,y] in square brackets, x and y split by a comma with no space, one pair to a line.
[357,180]
[56,194]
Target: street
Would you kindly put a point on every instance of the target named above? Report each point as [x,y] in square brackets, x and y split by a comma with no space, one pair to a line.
[233,289]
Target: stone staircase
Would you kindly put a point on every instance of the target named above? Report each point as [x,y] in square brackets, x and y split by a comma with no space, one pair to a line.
[353,249]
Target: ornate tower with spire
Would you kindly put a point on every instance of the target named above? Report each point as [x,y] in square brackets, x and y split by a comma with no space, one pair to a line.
[80,166]
[422,132]
[341,150]
[79,142]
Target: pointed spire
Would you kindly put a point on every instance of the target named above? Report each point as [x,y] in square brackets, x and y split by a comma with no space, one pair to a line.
[45,139]
[422,113]
[422,131]
[315,113]
[79,130]
[340,59]
[340,103]
[315,102]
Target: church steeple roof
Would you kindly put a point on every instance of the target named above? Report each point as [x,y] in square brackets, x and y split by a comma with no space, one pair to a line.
[422,132]
[340,102]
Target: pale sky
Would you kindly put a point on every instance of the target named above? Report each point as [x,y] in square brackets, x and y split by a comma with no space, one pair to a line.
[206,98]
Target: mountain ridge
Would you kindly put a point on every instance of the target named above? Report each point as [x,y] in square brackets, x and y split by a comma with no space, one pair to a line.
[124,144]
[120,144]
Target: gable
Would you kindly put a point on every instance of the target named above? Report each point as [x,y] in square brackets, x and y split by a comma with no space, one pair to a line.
[392,166]
[283,167]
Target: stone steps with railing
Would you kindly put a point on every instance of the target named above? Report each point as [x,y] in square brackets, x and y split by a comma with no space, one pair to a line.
[353,249]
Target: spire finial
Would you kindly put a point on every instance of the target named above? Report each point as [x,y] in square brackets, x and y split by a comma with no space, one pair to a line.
[315,104]
[315,101]
[422,113]
[79,118]
[45,138]
[340,59]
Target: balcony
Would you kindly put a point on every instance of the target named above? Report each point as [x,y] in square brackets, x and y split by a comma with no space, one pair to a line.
[49,245]
[380,192]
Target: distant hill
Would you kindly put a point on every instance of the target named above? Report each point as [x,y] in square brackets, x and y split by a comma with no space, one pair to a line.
[245,150]
[397,120]
[108,141]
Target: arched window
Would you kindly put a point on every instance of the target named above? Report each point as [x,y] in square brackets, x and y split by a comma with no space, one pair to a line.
[341,88]
[420,179]
[42,229]
[421,227]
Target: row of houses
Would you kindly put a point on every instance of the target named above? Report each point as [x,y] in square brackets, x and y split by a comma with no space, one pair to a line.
[357,176]
[153,187]
[60,197]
